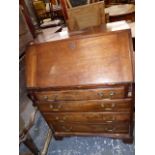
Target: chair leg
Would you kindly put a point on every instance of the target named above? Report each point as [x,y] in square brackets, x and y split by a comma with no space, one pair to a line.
[30,144]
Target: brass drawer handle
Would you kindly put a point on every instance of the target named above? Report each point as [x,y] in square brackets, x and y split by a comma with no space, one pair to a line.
[109,121]
[101,94]
[64,118]
[67,129]
[53,108]
[45,97]
[108,109]
[57,118]
[57,108]
[112,93]
[102,105]
[109,130]
[113,105]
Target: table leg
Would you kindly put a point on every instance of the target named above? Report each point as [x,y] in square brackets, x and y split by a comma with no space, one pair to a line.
[30,144]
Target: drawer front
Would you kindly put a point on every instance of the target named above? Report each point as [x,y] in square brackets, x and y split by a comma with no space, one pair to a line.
[106,105]
[93,128]
[89,117]
[88,94]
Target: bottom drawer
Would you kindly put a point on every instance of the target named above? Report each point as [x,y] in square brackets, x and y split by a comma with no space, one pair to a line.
[94,128]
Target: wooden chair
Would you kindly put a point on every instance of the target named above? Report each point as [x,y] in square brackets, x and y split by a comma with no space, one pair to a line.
[25,124]
[40,9]
[27,119]
[81,3]
[85,16]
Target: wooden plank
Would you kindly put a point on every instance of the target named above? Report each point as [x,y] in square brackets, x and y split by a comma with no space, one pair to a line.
[88,1]
[69,4]
[47,142]
[84,16]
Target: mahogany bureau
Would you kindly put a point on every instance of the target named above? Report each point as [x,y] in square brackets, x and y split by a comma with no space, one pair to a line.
[83,85]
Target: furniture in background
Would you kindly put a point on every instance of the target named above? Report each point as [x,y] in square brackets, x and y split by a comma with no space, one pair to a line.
[40,9]
[43,10]
[74,3]
[27,19]
[64,34]
[49,13]
[67,4]
[64,7]
[27,119]
[116,2]
[25,36]
[57,12]
[27,111]
[24,127]
[85,16]
[121,12]
[84,85]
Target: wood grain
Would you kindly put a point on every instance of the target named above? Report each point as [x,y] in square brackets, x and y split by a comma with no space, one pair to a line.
[101,59]
[84,85]
[115,105]
[88,94]
[89,117]
[31,66]
[85,16]
[93,128]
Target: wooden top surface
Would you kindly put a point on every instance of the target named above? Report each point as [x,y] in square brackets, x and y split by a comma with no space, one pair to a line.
[88,60]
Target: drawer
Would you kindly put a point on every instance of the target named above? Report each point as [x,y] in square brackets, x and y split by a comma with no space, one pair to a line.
[89,117]
[85,94]
[92,128]
[106,105]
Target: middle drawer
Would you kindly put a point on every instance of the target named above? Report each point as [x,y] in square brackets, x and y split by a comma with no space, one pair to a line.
[87,117]
[107,105]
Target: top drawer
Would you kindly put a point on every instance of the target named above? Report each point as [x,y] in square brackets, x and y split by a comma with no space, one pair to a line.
[85,94]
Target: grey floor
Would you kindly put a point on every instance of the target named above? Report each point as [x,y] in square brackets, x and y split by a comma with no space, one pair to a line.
[77,145]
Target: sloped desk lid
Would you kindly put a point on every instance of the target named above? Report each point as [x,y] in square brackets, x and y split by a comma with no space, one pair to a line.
[104,58]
